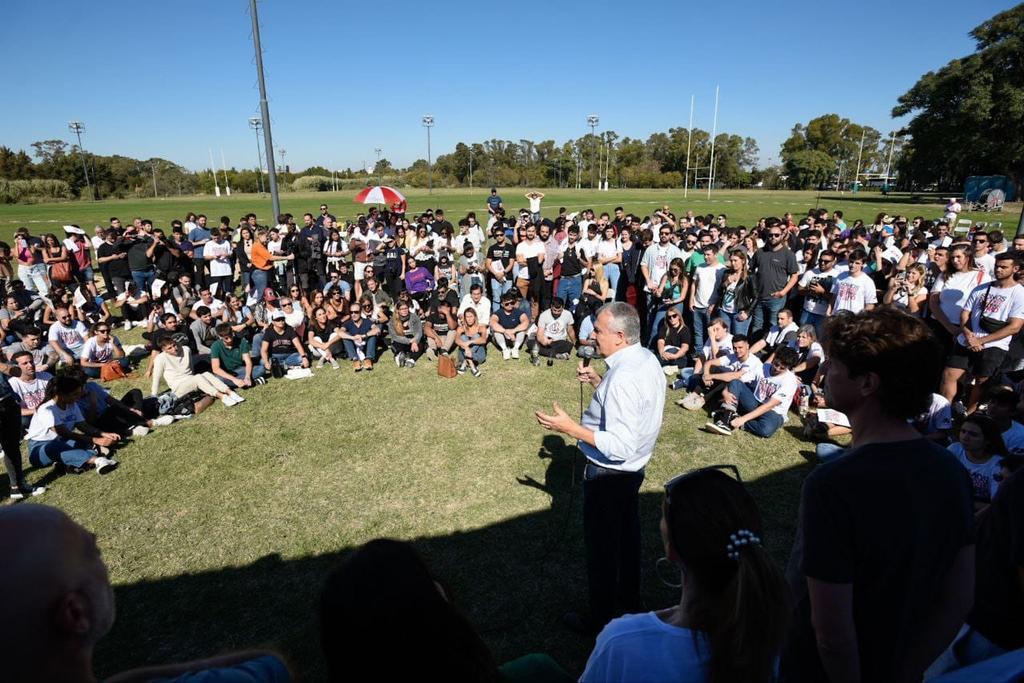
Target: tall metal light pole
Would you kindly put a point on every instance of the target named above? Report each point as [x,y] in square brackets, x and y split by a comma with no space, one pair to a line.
[77,127]
[428,123]
[268,140]
[471,165]
[152,167]
[377,151]
[256,124]
[592,121]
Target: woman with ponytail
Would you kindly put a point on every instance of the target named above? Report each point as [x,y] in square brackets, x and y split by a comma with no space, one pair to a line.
[733,610]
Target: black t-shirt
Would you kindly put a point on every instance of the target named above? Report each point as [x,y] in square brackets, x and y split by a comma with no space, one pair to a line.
[773,269]
[998,600]
[438,226]
[117,267]
[393,257]
[571,266]
[502,252]
[282,343]
[438,321]
[137,259]
[164,259]
[675,337]
[450,295]
[888,518]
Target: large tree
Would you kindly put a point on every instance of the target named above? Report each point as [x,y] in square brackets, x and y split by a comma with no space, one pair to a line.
[968,117]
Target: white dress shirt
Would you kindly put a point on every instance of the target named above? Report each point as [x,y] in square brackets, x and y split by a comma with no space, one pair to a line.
[625,412]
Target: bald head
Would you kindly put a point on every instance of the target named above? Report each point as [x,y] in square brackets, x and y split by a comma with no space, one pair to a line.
[53,585]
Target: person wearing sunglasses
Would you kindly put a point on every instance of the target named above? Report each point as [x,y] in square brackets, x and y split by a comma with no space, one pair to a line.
[775,273]
[816,286]
[617,436]
[101,348]
[733,609]
[883,564]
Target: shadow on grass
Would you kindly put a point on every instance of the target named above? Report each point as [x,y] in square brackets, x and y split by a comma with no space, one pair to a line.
[513,579]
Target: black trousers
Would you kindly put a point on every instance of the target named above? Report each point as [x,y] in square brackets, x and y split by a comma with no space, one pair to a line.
[10,439]
[554,348]
[611,532]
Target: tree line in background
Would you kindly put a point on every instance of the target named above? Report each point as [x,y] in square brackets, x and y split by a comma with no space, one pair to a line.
[968,119]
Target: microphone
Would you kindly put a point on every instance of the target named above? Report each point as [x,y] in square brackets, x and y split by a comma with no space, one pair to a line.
[586,361]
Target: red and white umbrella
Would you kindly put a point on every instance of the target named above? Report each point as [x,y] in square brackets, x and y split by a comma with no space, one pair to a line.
[381,194]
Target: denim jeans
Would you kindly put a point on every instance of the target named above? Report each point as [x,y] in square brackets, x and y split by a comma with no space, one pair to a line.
[736,326]
[763,426]
[67,451]
[143,280]
[479,351]
[612,272]
[570,289]
[257,371]
[370,350]
[259,282]
[828,451]
[765,313]
[816,319]
[680,362]
[34,278]
[497,289]
[968,647]
[289,360]
[700,326]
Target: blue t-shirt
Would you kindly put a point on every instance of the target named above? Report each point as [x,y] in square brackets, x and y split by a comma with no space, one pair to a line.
[198,234]
[494,201]
[362,328]
[267,669]
[642,648]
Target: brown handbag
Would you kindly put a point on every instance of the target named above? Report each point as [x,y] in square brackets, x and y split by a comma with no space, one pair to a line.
[445,366]
[111,371]
[61,272]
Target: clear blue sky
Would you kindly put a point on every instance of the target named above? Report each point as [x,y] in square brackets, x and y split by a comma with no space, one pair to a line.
[171,79]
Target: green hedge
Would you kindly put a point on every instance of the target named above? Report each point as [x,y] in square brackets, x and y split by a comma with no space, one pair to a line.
[37,189]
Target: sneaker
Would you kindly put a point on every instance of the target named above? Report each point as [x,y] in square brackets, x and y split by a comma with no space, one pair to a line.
[678,384]
[367,364]
[228,401]
[105,465]
[550,362]
[163,421]
[139,430]
[719,426]
[410,362]
[515,354]
[431,353]
[562,356]
[692,401]
[320,363]
[238,397]
[334,364]
[260,381]
[475,371]
[27,491]
[534,360]
[671,370]
[506,354]
[399,359]
[462,368]
[127,325]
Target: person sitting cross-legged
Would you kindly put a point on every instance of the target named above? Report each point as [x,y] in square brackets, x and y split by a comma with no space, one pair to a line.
[555,334]
[174,366]
[359,334]
[231,359]
[472,342]
[739,364]
[281,343]
[406,335]
[761,410]
[508,327]
[439,328]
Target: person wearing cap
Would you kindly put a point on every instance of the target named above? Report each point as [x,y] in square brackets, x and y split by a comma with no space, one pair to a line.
[281,343]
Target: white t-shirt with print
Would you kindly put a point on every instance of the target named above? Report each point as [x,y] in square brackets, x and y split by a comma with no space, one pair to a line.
[724,346]
[982,474]
[853,294]
[752,367]
[781,387]
[32,394]
[953,292]
[70,338]
[938,417]
[555,329]
[218,267]
[997,303]
[93,352]
[50,414]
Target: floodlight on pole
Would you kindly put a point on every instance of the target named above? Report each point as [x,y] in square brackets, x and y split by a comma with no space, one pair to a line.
[77,127]
[283,152]
[592,121]
[256,124]
[378,151]
[428,123]
[268,140]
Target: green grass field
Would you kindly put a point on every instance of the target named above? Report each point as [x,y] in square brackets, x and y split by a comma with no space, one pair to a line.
[219,530]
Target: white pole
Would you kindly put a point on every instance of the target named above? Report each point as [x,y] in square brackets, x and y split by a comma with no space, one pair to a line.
[856,177]
[224,165]
[714,131]
[839,179]
[213,169]
[888,164]
[689,139]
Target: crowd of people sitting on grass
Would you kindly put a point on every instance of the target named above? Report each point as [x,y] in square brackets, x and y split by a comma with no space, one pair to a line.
[749,323]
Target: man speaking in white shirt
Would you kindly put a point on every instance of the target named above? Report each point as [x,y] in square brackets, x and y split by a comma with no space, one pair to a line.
[617,435]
